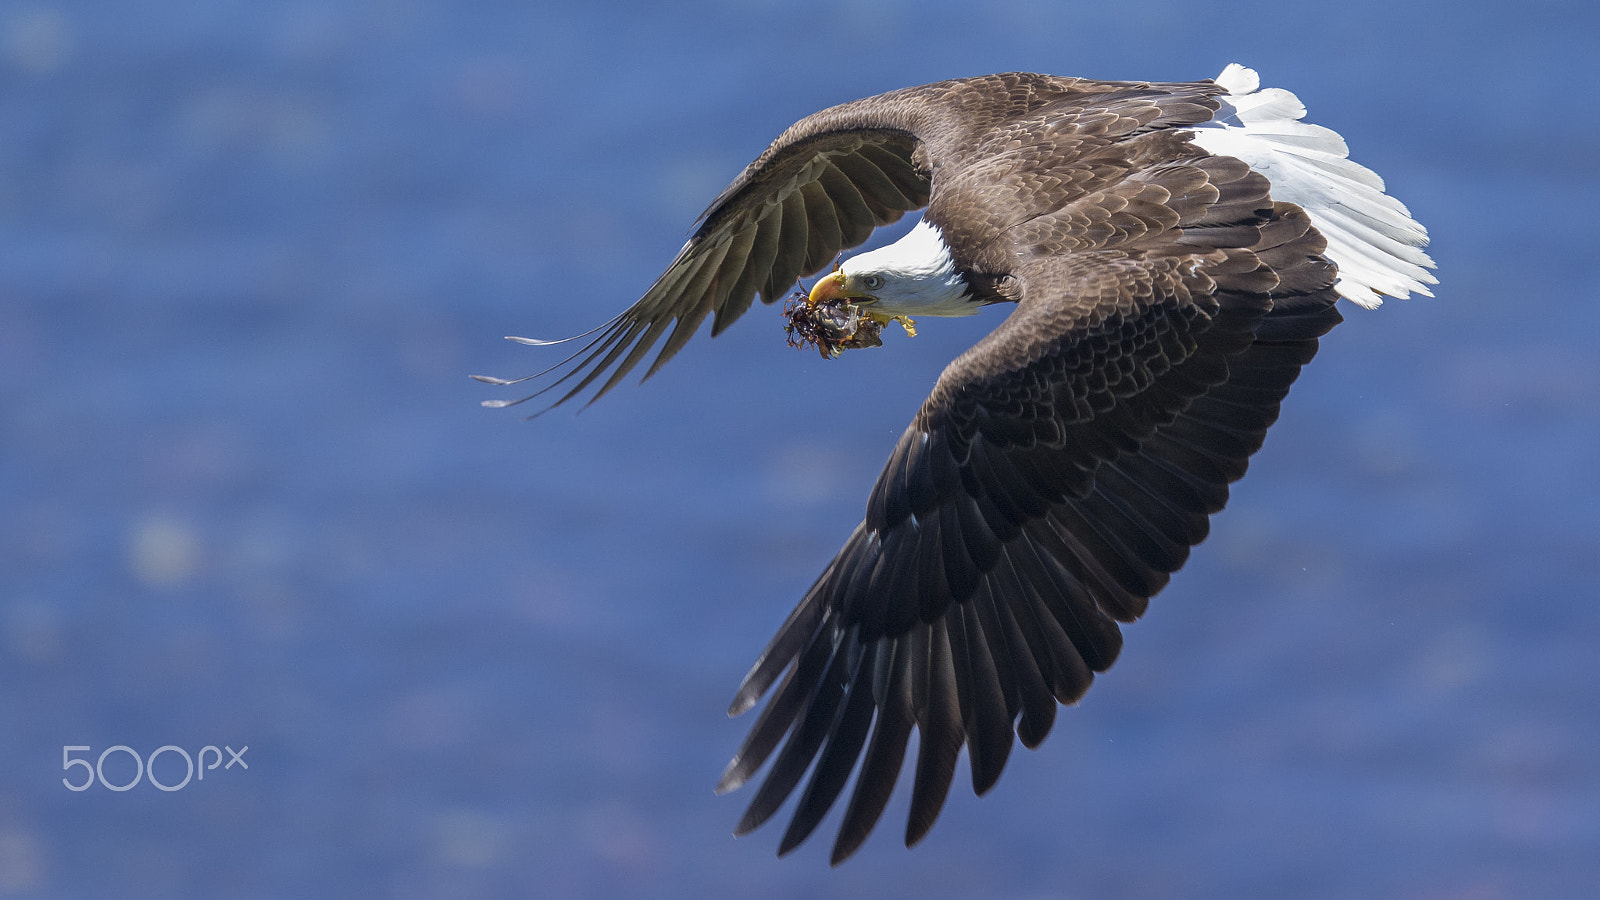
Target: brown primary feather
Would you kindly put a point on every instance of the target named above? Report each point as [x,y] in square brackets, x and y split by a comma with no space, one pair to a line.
[1061,469]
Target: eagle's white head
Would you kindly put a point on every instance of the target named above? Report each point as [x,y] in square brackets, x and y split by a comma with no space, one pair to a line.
[914,276]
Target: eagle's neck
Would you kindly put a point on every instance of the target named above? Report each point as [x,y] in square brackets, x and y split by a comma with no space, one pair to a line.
[921,275]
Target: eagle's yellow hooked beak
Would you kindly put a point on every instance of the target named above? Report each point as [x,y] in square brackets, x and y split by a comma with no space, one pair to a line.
[836,286]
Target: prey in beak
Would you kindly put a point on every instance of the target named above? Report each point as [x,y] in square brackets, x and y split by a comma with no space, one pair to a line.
[835,317]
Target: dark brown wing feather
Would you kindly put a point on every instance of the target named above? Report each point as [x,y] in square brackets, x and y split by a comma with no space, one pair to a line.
[819,189]
[1061,469]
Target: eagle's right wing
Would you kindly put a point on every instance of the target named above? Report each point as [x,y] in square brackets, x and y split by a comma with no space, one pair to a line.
[1058,474]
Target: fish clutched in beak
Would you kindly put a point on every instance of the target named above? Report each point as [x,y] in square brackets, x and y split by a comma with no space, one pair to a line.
[828,319]
[832,326]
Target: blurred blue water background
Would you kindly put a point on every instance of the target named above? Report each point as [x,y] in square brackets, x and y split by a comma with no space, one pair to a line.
[249,253]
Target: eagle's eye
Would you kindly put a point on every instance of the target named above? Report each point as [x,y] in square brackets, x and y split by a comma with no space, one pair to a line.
[872,282]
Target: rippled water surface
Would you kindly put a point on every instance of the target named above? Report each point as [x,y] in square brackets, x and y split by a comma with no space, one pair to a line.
[249,253]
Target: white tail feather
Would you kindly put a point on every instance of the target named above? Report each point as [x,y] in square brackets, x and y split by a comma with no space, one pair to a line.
[1371,236]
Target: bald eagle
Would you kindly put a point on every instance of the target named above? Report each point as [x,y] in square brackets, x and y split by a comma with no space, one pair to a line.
[1174,252]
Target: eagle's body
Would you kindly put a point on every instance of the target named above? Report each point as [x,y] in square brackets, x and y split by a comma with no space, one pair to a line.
[1174,251]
